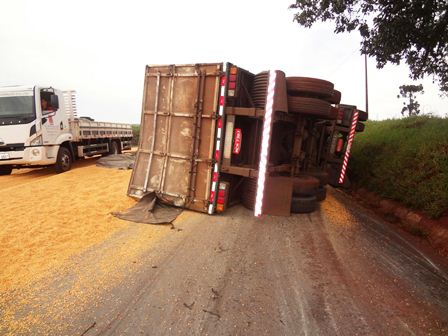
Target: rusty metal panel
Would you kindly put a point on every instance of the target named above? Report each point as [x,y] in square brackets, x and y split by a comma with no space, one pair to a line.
[177,134]
[277,196]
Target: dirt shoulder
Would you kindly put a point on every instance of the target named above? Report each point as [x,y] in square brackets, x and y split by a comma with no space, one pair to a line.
[434,231]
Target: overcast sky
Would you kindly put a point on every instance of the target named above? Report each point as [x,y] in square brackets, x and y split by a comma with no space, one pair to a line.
[100,49]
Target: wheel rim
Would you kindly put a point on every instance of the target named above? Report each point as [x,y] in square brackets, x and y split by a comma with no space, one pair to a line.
[65,161]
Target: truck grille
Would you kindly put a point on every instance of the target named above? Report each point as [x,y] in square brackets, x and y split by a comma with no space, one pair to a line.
[17,147]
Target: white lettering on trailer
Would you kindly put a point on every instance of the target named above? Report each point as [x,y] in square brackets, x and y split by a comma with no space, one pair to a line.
[267,126]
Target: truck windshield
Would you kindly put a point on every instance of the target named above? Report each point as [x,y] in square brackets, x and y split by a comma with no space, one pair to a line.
[16,109]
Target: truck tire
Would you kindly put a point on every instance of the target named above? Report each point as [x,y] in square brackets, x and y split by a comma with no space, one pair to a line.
[305,185]
[362,115]
[360,127]
[63,160]
[260,88]
[321,194]
[305,86]
[5,170]
[321,175]
[114,148]
[303,204]
[311,106]
[335,97]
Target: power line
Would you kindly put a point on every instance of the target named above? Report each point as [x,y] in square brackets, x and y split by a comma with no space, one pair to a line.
[343,62]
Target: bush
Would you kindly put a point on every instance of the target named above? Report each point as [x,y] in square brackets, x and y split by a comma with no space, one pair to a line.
[405,160]
[135,134]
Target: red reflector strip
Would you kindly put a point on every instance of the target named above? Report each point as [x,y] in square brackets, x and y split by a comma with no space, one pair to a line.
[349,146]
[219,123]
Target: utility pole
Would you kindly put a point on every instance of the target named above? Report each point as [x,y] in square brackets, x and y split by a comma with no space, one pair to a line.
[367,86]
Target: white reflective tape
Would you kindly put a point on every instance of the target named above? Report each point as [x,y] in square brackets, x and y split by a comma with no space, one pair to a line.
[218,144]
[210,209]
[219,133]
[266,135]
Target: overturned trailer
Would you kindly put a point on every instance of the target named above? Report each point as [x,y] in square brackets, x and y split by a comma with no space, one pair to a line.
[215,134]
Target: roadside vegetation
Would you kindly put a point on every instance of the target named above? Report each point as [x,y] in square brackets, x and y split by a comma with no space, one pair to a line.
[135,134]
[405,160]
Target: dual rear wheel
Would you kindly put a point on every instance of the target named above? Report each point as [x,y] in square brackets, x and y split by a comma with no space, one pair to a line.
[307,192]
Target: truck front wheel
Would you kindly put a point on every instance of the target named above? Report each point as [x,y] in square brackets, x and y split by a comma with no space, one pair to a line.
[5,170]
[64,160]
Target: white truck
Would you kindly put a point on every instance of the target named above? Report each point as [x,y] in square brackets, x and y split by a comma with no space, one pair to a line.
[39,126]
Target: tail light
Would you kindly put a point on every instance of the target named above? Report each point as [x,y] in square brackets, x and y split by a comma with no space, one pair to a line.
[223,196]
[232,81]
[340,145]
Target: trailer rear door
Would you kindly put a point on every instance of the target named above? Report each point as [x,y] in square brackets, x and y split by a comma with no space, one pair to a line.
[178,122]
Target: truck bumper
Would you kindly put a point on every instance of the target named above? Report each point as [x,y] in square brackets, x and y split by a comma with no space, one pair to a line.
[31,156]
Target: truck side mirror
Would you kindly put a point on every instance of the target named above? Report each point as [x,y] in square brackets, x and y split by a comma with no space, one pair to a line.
[54,101]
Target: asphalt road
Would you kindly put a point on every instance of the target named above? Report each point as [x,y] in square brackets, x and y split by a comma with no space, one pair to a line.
[338,271]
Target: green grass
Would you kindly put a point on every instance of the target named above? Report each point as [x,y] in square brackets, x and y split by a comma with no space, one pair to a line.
[405,160]
[135,134]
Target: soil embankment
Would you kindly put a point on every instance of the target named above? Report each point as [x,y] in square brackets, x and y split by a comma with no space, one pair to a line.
[400,169]
[405,160]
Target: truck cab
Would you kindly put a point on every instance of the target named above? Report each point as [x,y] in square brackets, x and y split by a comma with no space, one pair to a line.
[39,127]
[25,122]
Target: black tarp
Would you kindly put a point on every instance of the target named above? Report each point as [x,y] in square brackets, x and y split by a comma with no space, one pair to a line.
[117,161]
[149,210]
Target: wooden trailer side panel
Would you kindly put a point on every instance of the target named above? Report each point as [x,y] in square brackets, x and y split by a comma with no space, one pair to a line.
[175,153]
